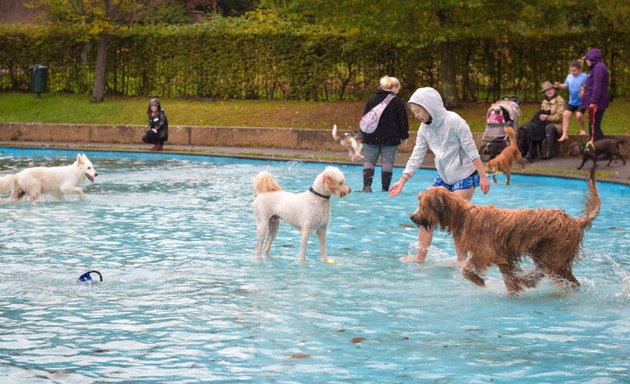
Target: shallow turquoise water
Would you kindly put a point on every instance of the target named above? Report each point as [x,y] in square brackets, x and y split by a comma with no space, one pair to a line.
[185,301]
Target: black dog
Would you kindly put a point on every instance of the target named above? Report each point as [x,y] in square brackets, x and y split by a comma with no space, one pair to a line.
[600,149]
[530,136]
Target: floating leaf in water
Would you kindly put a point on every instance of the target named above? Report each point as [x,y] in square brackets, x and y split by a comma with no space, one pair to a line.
[300,356]
[341,330]
[406,225]
[405,337]
[356,340]
[101,350]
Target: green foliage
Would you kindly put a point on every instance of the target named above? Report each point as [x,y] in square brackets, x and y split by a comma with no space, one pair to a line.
[171,12]
[237,7]
[266,56]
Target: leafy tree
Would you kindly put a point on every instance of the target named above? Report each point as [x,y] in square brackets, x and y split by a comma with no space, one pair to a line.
[236,7]
[417,23]
[103,17]
[446,22]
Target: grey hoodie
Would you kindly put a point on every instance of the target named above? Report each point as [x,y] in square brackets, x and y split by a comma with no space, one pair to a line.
[448,136]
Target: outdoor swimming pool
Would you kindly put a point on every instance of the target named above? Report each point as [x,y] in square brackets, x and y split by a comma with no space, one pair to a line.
[183,299]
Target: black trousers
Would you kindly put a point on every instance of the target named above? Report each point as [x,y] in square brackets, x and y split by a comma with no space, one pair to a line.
[550,142]
[153,137]
[598,134]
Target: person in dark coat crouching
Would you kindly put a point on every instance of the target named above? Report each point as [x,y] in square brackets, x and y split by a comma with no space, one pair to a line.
[157,133]
[392,130]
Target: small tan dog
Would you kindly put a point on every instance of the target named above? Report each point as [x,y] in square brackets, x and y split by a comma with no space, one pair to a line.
[503,162]
[350,142]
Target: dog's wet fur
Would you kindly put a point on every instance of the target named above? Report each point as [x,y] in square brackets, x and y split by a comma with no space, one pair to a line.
[487,236]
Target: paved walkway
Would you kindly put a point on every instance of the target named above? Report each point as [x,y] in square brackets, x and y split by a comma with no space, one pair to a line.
[561,167]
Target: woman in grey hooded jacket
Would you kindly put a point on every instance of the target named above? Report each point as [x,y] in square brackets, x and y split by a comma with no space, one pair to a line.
[457,159]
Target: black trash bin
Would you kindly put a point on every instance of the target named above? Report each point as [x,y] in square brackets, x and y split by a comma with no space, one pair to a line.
[39,78]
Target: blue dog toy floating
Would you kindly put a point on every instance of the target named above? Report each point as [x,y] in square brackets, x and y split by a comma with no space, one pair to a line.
[87,277]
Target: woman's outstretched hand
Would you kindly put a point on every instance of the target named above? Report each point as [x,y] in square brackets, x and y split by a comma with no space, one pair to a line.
[396,188]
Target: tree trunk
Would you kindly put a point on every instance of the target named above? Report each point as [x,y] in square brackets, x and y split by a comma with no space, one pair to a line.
[447,74]
[98,92]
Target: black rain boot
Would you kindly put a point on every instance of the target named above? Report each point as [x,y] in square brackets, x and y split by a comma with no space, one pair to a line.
[386,179]
[548,146]
[368,175]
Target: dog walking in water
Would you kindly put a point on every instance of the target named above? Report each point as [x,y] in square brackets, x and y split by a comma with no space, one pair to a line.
[489,236]
[58,181]
[307,211]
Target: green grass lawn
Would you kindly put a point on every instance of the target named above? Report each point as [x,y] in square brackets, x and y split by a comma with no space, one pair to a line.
[68,108]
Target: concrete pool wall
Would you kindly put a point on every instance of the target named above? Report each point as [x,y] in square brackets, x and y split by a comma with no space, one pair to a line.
[291,138]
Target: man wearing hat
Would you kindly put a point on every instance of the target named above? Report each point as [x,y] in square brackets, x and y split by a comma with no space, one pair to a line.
[554,103]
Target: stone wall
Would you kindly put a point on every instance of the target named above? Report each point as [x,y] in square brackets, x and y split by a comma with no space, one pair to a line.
[292,138]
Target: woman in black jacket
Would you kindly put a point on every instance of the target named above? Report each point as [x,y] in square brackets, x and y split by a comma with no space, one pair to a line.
[157,133]
[392,130]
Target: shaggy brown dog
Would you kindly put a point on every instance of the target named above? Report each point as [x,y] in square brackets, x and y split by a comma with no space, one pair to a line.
[503,162]
[604,148]
[492,236]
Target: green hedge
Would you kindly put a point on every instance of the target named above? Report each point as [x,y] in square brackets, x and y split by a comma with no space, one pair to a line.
[248,59]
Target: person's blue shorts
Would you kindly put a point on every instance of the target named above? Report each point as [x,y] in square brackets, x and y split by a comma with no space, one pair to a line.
[469,182]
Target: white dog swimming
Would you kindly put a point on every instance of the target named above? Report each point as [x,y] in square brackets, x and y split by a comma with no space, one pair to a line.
[308,211]
[57,181]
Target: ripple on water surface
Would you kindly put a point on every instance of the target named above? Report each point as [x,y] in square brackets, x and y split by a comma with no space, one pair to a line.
[183,299]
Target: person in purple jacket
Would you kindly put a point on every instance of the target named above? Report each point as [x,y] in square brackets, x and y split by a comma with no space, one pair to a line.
[596,93]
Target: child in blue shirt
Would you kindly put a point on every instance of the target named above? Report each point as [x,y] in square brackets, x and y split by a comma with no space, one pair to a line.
[574,84]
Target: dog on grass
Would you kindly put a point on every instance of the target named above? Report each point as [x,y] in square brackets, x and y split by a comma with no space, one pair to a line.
[58,181]
[307,211]
[491,236]
[351,141]
[503,161]
[600,149]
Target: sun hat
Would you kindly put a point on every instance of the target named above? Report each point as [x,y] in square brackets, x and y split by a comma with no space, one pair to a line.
[546,86]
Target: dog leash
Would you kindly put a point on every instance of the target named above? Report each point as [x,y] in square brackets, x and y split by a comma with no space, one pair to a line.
[591,113]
